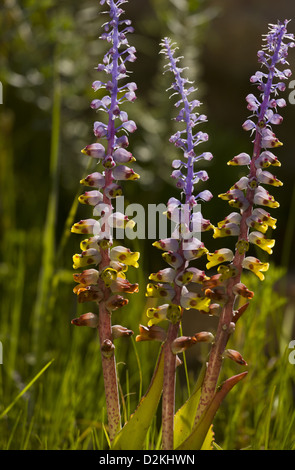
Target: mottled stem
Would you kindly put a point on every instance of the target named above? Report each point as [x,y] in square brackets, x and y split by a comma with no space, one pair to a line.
[168,402]
[105,323]
[109,373]
[108,356]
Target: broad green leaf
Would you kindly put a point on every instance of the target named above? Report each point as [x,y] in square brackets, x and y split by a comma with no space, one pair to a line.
[132,435]
[185,416]
[196,439]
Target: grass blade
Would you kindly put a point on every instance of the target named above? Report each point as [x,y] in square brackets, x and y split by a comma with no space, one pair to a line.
[8,408]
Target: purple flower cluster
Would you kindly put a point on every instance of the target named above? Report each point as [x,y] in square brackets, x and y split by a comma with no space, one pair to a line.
[187,139]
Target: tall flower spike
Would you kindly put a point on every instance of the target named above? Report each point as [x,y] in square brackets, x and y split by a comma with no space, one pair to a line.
[251,223]
[171,284]
[103,284]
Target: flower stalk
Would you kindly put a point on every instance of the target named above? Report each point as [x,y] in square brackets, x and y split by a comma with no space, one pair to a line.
[107,283]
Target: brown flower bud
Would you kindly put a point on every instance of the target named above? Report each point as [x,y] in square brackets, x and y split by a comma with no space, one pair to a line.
[107,348]
[88,293]
[118,331]
[204,337]
[150,333]
[235,356]
[218,294]
[214,309]
[87,319]
[116,301]
[241,289]
[213,281]
[182,343]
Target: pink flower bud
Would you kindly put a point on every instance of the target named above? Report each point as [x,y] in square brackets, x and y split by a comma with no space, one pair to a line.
[167,244]
[253,103]
[91,197]
[207,156]
[205,195]
[164,275]
[99,129]
[266,159]
[241,184]
[113,190]
[94,151]
[241,159]
[248,125]
[269,139]
[95,179]
[267,178]
[122,141]
[96,85]
[121,155]
[130,96]
[130,126]
[84,226]
[122,172]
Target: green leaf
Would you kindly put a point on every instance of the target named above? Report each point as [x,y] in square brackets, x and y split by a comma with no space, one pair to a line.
[185,416]
[132,435]
[196,439]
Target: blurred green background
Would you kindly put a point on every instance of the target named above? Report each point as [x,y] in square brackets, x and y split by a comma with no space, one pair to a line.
[48,52]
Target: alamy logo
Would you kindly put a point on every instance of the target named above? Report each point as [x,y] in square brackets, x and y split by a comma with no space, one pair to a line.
[183,221]
[292,93]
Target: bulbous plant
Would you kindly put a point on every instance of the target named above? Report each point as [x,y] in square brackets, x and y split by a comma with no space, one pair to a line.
[179,250]
[249,196]
[107,283]
[180,286]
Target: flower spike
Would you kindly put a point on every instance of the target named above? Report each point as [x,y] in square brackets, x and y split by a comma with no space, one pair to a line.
[107,283]
[170,286]
[250,222]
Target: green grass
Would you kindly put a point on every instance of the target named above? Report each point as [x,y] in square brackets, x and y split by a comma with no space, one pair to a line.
[56,401]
